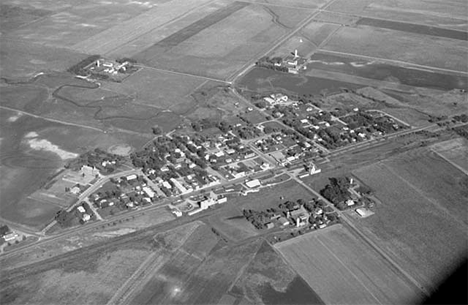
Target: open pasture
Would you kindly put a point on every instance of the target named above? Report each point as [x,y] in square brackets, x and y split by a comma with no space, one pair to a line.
[343,270]
[269,279]
[407,47]
[419,233]
[455,150]
[232,223]
[217,274]
[435,178]
[21,59]
[95,271]
[271,197]
[199,49]
[159,89]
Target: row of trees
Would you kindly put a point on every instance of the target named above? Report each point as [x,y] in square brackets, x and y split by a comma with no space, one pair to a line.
[78,69]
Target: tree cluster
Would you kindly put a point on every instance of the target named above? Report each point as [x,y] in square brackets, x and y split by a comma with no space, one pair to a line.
[78,69]
[336,191]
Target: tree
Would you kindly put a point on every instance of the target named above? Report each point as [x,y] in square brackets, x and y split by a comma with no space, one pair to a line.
[157,130]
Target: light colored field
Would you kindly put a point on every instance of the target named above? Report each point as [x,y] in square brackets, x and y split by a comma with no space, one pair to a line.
[455,151]
[200,49]
[407,47]
[417,232]
[343,270]
[65,28]
[303,4]
[125,32]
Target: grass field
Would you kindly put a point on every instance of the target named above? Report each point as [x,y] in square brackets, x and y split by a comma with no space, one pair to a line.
[90,274]
[381,43]
[232,223]
[421,234]
[271,197]
[343,270]
[455,151]
[158,89]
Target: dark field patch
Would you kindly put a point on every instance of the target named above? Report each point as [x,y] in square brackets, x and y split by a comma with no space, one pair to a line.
[268,81]
[270,280]
[196,27]
[414,28]
[12,17]
[386,72]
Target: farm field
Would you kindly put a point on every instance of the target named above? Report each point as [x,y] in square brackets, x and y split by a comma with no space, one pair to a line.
[343,270]
[435,178]
[455,151]
[33,150]
[384,72]
[269,280]
[88,238]
[425,249]
[95,271]
[448,14]
[382,43]
[249,30]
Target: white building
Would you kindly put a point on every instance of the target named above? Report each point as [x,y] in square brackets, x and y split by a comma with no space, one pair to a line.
[253,183]
[149,192]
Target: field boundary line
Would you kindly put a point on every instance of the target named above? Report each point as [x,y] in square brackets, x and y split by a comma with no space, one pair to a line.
[406,64]
[450,161]
[251,63]
[52,120]
[420,192]
[183,73]
[349,270]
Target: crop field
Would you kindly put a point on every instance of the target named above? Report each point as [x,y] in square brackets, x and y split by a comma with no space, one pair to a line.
[343,270]
[418,230]
[69,23]
[25,170]
[270,280]
[248,28]
[382,43]
[447,14]
[455,151]
[437,179]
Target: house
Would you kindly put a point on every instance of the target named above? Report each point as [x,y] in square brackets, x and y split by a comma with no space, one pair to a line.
[85,217]
[222,199]
[364,212]
[253,183]
[270,225]
[81,209]
[300,216]
[149,192]
[283,221]
[131,177]
[176,212]
[75,190]
[10,236]
[350,202]
[208,202]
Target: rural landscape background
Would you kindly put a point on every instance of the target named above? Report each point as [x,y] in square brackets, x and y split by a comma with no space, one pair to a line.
[203,72]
